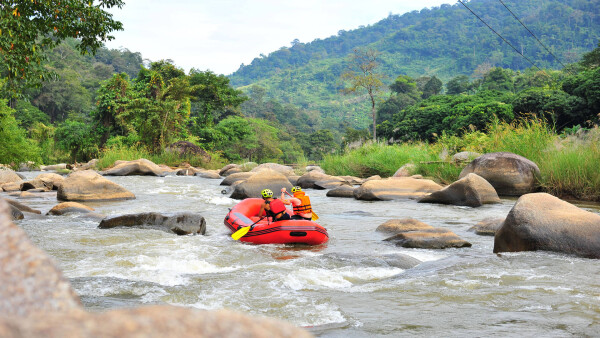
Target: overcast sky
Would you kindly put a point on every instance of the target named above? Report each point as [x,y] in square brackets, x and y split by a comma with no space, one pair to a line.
[220,35]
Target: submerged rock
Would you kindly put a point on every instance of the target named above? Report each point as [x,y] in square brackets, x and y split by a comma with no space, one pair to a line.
[411,233]
[488,226]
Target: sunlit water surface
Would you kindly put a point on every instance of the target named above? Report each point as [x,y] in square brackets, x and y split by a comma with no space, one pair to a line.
[354,286]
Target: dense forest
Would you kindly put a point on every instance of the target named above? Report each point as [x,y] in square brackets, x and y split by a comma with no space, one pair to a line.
[444,74]
[445,42]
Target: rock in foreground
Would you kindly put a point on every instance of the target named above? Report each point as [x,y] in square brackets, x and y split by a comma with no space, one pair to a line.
[543,222]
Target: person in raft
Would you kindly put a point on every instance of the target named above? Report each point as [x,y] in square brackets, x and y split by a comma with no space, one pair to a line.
[300,202]
[273,207]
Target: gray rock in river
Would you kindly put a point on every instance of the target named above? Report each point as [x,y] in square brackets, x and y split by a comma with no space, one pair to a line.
[488,226]
[180,224]
[346,191]
[510,174]
[411,233]
[471,190]
[87,185]
[395,188]
[141,167]
[541,221]
[264,179]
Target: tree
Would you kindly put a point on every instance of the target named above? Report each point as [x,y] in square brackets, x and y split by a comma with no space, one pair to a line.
[30,28]
[458,85]
[213,99]
[432,87]
[15,148]
[363,76]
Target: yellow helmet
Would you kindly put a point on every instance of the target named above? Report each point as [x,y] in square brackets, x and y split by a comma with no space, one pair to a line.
[296,189]
[266,193]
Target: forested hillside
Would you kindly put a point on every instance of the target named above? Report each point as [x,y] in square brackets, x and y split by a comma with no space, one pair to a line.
[442,42]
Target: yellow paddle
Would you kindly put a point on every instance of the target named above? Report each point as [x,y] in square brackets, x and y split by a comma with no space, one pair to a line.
[314,215]
[243,231]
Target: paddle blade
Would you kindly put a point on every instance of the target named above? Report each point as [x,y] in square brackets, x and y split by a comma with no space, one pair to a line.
[240,233]
[314,216]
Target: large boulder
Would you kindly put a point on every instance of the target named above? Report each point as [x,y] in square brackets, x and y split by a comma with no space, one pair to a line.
[141,167]
[88,185]
[51,180]
[180,224]
[154,321]
[264,179]
[307,181]
[36,184]
[29,280]
[280,168]
[9,176]
[541,221]
[471,190]
[185,148]
[411,233]
[241,176]
[70,207]
[510,174]
[395,188]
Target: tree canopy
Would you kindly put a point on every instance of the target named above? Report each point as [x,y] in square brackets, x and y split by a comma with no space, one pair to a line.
[28,29]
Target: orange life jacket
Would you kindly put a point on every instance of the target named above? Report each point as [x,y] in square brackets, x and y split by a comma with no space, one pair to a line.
[304,207]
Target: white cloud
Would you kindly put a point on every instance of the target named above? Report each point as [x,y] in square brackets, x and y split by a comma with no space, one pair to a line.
[221,35]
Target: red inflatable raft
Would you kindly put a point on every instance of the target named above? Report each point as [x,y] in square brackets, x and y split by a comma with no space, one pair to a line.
[245,214]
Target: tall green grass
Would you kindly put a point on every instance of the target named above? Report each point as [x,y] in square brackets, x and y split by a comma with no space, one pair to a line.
[568,164]
[375,159]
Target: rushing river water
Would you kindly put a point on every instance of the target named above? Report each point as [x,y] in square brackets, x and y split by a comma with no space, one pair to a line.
[353,286]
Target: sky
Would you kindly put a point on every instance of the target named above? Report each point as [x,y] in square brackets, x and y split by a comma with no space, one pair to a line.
[220,35]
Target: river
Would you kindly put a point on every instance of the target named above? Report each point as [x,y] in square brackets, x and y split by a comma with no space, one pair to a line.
[350,287]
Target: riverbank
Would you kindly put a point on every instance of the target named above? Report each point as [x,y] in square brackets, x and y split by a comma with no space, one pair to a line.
[568,163]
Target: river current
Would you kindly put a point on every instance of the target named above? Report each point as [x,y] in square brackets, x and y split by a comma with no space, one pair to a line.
[353,286]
